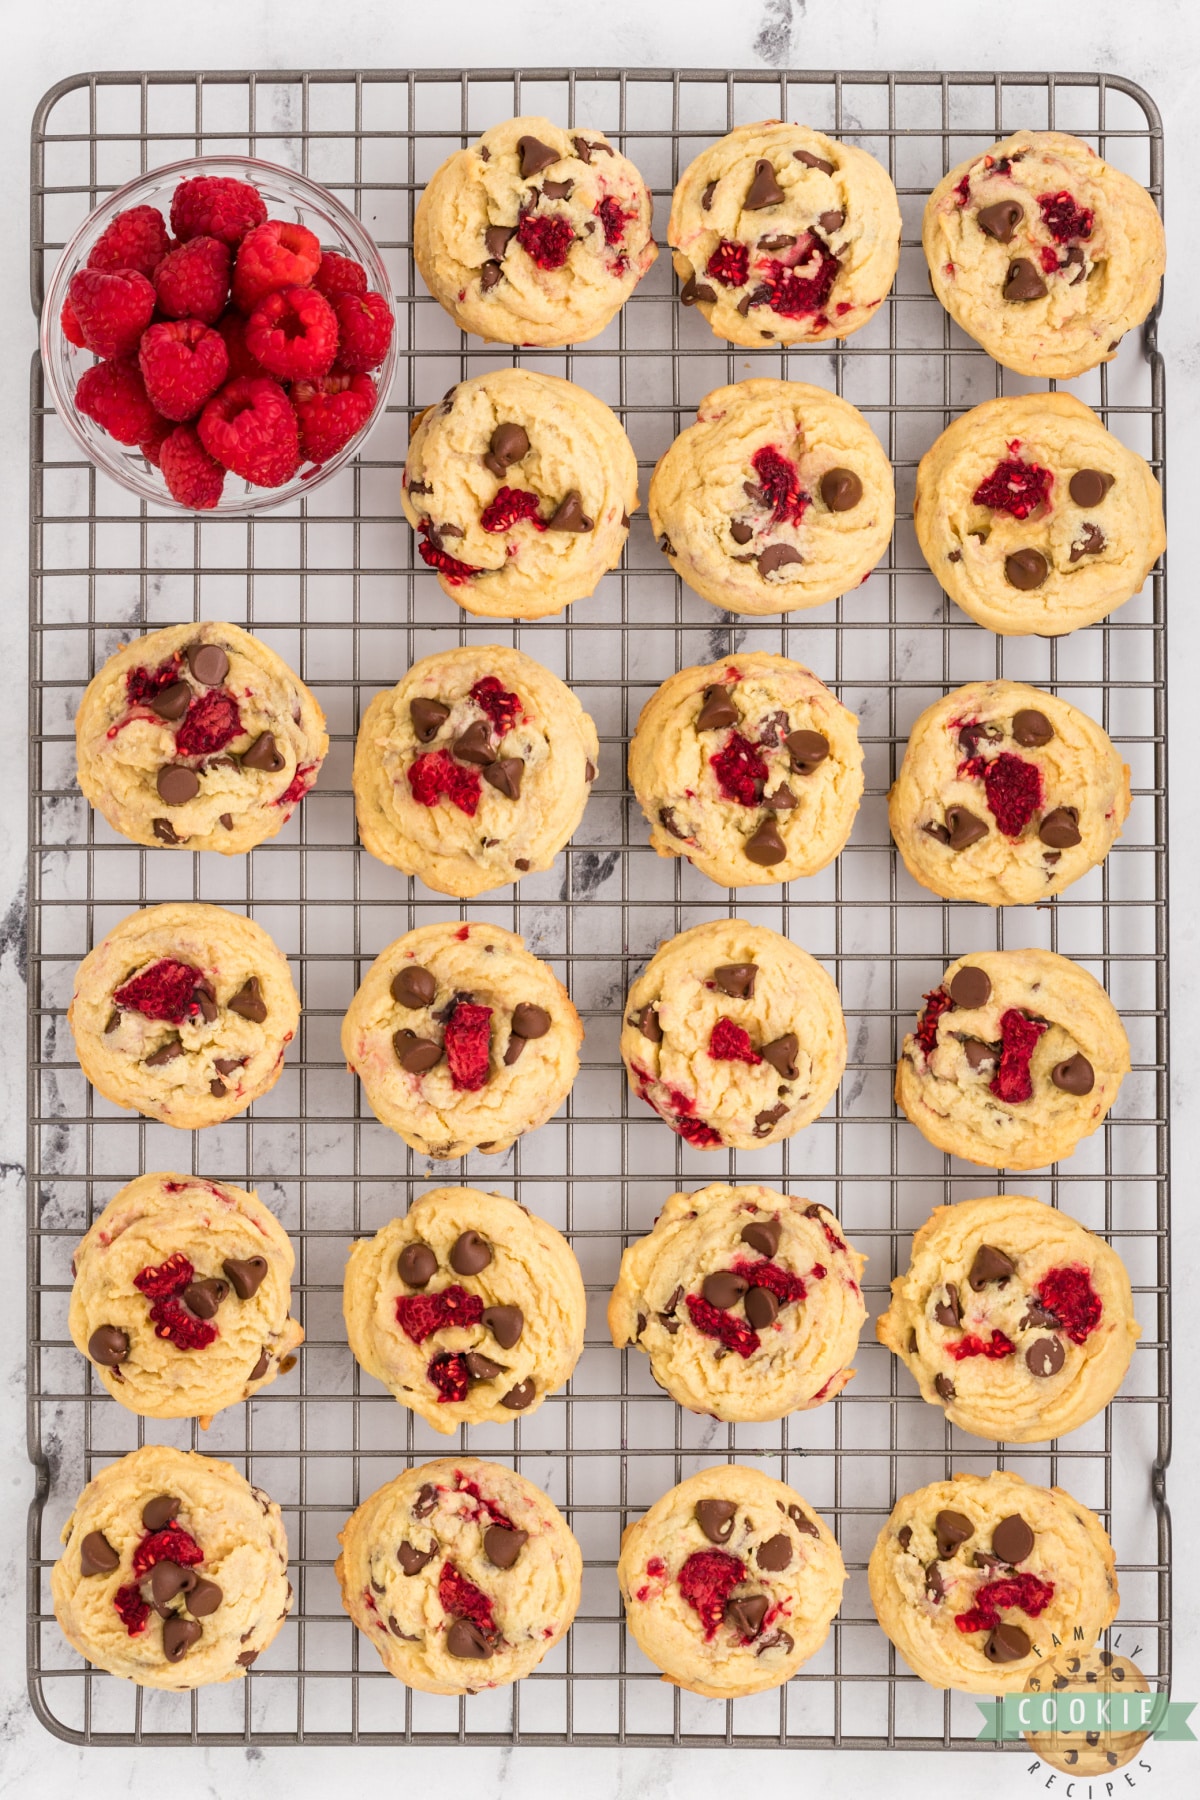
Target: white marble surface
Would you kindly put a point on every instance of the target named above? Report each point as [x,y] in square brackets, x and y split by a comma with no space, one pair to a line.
[1157,44]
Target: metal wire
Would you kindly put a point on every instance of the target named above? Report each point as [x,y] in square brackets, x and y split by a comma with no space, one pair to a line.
[330,582]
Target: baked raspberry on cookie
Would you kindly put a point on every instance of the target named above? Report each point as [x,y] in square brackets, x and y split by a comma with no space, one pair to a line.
[978,1579]
[1006,795]
[749,768]
[1017,1055]
[779,497]
[469,1309]
[461,1573]
[730,1582]
[1043,253]
[198,735]
[1013,1318]
[462,1039]
[534,235]
[734,1036]
[747,1302]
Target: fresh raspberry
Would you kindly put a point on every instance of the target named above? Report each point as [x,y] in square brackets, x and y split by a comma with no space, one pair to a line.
[731,1043]
[216,206]
[740,771]
[192,282]
[1027,1592]
[1015,487]
[172,1321]
[546,238]
[151,445]
[183,363]
[163,991]
[339,275]
[131,1609]
[250,428]
[72,330]
[468,1037]
[794,296]
[449,1375]
[191,475]
[294,334]
[706,1580]
[509,507]
[1063,218]
[330,411]
[112,310]
[211,722]
[274,255]
[171,1544]
[734,1333]
[729,264]
[501,707]
[432,553]
[135,239]
[785,1286]
[168,1278]
[114,394]
[613,218]
[779,479]
[141,685]
[436,776]
[936,1004]
[1069,1296]
[1013,788]
[461,1599]
[233,329]
[995,1350]
[1018,1036]
[365,326]
[420,1315]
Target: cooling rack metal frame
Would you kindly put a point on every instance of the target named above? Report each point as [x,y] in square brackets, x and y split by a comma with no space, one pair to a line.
[331,582]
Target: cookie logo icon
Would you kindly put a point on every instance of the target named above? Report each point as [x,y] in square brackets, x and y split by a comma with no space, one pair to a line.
[1087,1752]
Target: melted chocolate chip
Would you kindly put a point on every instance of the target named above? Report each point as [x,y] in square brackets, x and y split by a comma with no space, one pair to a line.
[245,1275]
[165,832]
[97,1556]
[466,1640]
[765,1122]
[1023,282]
[718,709]
[496,240]
[535,156]
[204,1297]
[426,1501]
[775,556]
[179,1634]
[204,1598]
[1006,1644]
[415,1054]
[506,1323]
[740,532]
[841,489]
[781,800]
[177,784]
[481,1368]
[428,717]
[775,1554]
[990,1264]
[502,1545]
[764,846]
[807,750]
[781,1054]
[469,1254]
[261,1366]
[208,663]
[1060,828]
[518,1398]
[160,1511]
[762,1235]
[507,445]
[414,987]
[668,821]
[723,1289]
[970,988]
[715,1519]
[1091,543]
[1031,729]
[1012,1540]
[1075,1076]
[475,745]
[1087,488]
[746,1615]
[505,776]
[951,1529]
[172,702]
[693,291]
[764,190]
[943,1387]
[248,1002]
[736,979]
[264,754]
[948,1312]
[761,1308]
[813,162]
[167,1054]
[412,1560]
[647,1023]
[1045,1356]
[1000,221]
[569,515]
[529,1021]
[961,829]
[416,1265]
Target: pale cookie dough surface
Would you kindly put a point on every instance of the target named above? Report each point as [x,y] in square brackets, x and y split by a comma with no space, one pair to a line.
[1086,1752]
[1023,1345]
[924,1578]
[535,244]
[174,1232]
[694,1049]
[438,1109]
[802,249]
[1076,243]
[1017,1067]
[238,1533]
[428,811]
[1030,769]
[734,797]
[468,1308]
[162,985]
[739,1607]
[777,1337]
[994,501]
[757,503]
[253,739]
[520,486]
[475,1609]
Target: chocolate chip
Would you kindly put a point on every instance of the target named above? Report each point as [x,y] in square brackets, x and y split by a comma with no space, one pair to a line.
[1000,221]
[208,663]
[1023,281]
[202,995]
[416,1265]
[762,1308]
[718,709]
[505,776]
[807,750]
[782,800]
[1087,488]
[775,1554]
[970,988]
[765,1122]
[167,1054]
[962,828]
[943,1387]
[723,1289]
[426,1501]
[415,1054]
[160,1511]
[1091,543]
[841,489]
[951,1529]
[1012,1540]
[1060,828]
[245,1274]
[740,532]
[904,1536]
[764,189]
[513,1050]
[204,1297]
[780,241]
[248,1002]
[1045,1356]
[557,190]
[475,745]
[1075,1076]
[412,1560]
[802,1522]
[465,1639]
[481,1368]
[414,987]
[204,1598]
[179,1634]
[177,784]
[736,979]
[746,1615]
[502,1545]
[763,1235]
[775,556]
[506,446]
[489,275]
[261,1366]
[831,222]
[1031,729]
[647,1023]
[948,1312]
[715,1519]
[585,150]
[165,832]
[97,1556]
[694,291]
[1006,1644]
[934,1586]
[518,1398]
[569,515]
[535,156]
[781,1054]
[265,754]
[497,239]
[589,771]
[469,1254]
[668,821]
[990,1264]
[813,162]
[777,1640]
[114,1019]
[247,1657]
[765,847]
[529,1021]
[506,1323]
[523,864]
[420,487]
[226,820]
[172,702]
[641,1326]
[706,198]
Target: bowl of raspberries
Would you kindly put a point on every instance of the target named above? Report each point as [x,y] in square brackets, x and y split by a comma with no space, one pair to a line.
[218,335]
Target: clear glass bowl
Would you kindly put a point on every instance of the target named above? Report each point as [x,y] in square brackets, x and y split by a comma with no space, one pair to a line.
[288,196]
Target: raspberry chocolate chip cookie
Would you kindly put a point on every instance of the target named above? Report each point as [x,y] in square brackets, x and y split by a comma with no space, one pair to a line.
[198,735]
[1043,253]
[778,498]
[1034,518]
[468,1309]
[746,1300]
[173,1572]
[462,1039]
[534,235]
[1013,1318]
[751,769]
[462,1574]
[734,1036]
[1006,795]
[473,770]
[782,235]
[1016,1056]
[979,1578]
[183,1012]
[730,1582]
[181,1296]
[519,486]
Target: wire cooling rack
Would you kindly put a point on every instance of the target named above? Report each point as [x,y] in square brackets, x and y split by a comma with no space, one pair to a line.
[330,582]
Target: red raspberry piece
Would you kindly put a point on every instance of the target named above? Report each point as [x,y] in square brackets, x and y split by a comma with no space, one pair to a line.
[112,310]
[250,428]
[432,553]
[211,722]
[365,326]
[274,255]
[339,275]
[1013,788]
[963,189]
[706,1580]
[183,363]
[501,707]
[330,411]
[936,1004]
[114,394]
[134,239]
[131,1609]
[163,991]
[731,1043]
[192,281]
[729,264]
[1069,1295]
[740,771]
[1049,260]
[996,1349]
[72,330]
[1015,487]
[420,1315]
[734,1333]
[172,1321]
[785,1286]
[233,329]
[191,475]
[795,296]
[449,1375]
[1063,218]
[779,479]
[1018,1036]
[468,1038]
[294,333]
[436,776]
[170,1277]
[463,1600]
[1027,1592]
[614,219]
[141,685]
[216,206]
[509,507]
[298,786]
[697,1133]
[546,238]
[171,1544]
